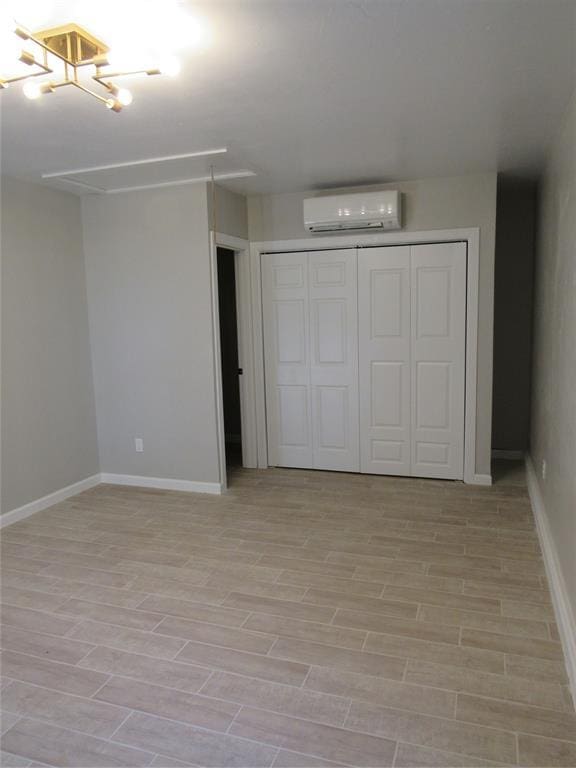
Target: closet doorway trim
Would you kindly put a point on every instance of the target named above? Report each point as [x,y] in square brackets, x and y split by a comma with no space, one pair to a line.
[471,236]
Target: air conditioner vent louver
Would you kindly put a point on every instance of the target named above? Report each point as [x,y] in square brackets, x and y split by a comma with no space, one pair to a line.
[338,213]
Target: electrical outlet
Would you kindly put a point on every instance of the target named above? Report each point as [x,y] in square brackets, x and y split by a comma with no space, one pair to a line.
[543,469]
[139,445]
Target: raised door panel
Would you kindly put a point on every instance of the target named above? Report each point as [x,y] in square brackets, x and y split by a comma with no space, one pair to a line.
[384,359]
[334,359]
[287,359]
[438,279]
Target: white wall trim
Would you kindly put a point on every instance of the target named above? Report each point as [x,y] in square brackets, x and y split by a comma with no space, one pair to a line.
[217,364]
[231,242]
[560,598]
[470,235]
[482,479]
[164,483]
[47,501]
[498,453]
[244,302]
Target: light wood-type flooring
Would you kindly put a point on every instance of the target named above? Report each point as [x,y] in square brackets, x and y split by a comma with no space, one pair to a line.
[302,619]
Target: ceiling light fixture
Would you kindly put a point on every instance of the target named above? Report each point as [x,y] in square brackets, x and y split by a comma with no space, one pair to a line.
[71,47]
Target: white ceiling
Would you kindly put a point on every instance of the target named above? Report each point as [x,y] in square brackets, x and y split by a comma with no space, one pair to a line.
[320,93]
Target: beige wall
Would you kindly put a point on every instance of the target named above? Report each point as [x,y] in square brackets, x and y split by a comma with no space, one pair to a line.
[553,433]
[148,271]
[443,203]
[48,418]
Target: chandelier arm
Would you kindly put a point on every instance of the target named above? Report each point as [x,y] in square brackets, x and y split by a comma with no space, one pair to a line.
[100,76]
[87,90]
[43,71]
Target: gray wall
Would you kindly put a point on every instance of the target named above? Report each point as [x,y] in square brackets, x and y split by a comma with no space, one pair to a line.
[553,433]
[148,271]
[230,214]
[442,203]
[48,418]
[513,304]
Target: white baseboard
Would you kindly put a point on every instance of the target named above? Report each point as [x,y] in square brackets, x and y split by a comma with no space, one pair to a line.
[167,484]
[47,501]
[560,598]
[481,479]
[498,453]
[164,483]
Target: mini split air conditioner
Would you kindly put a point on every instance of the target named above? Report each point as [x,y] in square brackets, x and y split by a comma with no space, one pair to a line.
[370,210]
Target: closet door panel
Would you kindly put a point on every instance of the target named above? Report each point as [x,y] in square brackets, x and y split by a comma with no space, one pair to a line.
[384,359]
[438,281]
[334,359]
[287,359]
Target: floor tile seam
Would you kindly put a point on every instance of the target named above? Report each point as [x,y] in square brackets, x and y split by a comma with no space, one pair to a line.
[195,694]
[511,637]
[516,703]
[89,567]
[278,615]
[240,628]
[308,754]
[14,537]
[97,646]
[128,714]
[253,676]
[75,596]
[80,733]
[276,641]
[23,757]
[233,720]
[351,596]
[451,720]
[213,732]
[62,615]
[86,697]
[94,602]
[34,532]
[54,661]
[445,646]
[456,754]
[394,599]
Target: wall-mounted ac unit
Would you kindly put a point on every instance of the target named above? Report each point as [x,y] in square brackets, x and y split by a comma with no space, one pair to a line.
[367,210]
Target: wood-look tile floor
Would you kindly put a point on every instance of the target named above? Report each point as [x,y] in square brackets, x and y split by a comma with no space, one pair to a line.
[303,619]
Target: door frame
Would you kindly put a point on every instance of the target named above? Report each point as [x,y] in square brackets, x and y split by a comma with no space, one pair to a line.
[241,249]
[469,235]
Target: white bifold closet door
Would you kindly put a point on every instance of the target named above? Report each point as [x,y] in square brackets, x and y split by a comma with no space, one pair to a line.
[384,341]
[438,359]
[365,359]
[412,337]
[311,358]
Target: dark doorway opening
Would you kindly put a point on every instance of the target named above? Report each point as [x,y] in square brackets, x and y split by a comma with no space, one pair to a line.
[229,356]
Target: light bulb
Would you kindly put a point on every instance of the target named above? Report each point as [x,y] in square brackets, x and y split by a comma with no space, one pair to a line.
[170,66]
[114,105]
[31,90]
[124,97]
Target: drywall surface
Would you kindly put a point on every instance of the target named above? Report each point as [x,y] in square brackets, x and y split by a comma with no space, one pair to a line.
[48,416]
[513,304]
[440,203]
[229,216]
[149,295]
[553,432]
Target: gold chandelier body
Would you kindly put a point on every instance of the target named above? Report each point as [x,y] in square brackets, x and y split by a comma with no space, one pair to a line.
[75,48]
